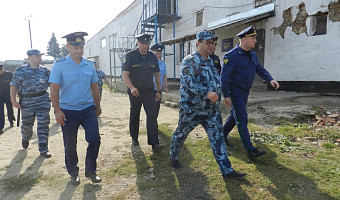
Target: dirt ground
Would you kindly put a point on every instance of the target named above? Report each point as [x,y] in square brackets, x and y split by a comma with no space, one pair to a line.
[17,163]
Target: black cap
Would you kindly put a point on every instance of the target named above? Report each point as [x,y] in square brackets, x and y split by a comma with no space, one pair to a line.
[76,38]
[157,47]
[248,32]
[144,38]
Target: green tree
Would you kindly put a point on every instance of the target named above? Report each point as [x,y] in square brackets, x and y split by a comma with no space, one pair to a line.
[53,48]
[64,51]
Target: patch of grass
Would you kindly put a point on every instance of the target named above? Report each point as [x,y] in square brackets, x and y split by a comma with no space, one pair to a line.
[290,175]
[329,145]
[19,183]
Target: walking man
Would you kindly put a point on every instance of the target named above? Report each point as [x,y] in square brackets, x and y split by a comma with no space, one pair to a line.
[5,98]
[75,99]
[238,73]
[200,104]
[30,82]
[139,68]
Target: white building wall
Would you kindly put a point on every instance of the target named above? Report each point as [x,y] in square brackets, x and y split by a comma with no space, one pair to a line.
[302,57]
[294,58]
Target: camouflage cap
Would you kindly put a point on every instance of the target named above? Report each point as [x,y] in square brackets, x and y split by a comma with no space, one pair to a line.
[206,35]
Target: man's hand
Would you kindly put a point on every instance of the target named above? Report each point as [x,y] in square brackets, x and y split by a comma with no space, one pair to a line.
[16,104]
[275,84]
[227,101]
[134,92]
[212,96]
[158,96]
[60,117]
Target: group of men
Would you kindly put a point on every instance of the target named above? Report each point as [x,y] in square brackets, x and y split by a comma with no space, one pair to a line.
[202,82]
[75,97]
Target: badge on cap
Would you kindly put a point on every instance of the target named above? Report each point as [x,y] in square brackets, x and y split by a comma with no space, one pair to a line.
[76,38]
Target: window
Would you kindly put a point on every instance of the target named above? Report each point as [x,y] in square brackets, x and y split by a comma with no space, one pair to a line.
[318,24]
[199,18]
[259,3]
[103,42]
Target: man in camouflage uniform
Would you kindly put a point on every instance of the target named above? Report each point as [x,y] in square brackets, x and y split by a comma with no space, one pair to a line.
[200,101]
[30,82]
[101,75]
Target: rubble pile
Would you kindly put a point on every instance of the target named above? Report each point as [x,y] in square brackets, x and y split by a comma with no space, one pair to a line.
[327,118]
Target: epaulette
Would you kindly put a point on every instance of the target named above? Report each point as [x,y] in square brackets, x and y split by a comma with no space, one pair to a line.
[60,59]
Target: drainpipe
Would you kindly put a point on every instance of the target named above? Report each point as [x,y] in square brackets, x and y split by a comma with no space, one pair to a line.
[174,35]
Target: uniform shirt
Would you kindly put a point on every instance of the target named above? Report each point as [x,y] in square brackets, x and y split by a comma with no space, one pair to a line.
[162,72]
[198,77]
[217,63]
[239,71]
[5,80]
[30,81]
[141,70]
[101,75]
[75,82]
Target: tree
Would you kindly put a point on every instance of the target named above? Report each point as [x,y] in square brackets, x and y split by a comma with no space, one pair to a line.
[64,51]
[53,48]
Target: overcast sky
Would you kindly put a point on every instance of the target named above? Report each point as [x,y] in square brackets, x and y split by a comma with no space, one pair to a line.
[51,16]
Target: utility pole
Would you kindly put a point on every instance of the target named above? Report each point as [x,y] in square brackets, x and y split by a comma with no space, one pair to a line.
[28,18]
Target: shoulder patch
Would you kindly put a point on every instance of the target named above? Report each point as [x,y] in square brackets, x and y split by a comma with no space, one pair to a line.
[61,59]
[225,61]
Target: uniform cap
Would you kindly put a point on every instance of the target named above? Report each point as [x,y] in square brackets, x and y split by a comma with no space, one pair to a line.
[157,47]
[33,52]
[76,38]
[248,32]
[206,35]
[144,38]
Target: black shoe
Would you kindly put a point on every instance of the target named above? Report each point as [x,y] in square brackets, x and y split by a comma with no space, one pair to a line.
[156,147]
[11,124]
[75,180]
[135,141]
[234,174]
[1,131]
[175,164]
[46,154]
[255,153]
[25,144]
[227,142]
[93,176]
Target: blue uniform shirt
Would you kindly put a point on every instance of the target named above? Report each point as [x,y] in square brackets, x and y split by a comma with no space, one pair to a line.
[198,77]
[239,72]
[75,82]
[162,72]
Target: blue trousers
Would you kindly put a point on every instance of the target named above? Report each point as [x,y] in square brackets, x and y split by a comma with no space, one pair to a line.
[211,121]
[10,115]
[238,116]
[147,99]
[88,120]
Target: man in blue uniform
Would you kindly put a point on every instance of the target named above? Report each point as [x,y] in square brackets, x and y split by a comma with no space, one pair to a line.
[215,58]
[157,50]
[200,104]
[139,68]
[5,98]
[30,82]
[238,73]
[75,99]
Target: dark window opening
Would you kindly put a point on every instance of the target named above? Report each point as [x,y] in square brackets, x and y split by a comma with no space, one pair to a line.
[321,24]
[199,18]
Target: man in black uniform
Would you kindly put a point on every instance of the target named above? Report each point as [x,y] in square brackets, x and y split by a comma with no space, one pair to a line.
[138,70]
[215,58]
[5,98]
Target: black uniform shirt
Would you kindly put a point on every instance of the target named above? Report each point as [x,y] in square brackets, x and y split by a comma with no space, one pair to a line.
[141,70]
[5,80]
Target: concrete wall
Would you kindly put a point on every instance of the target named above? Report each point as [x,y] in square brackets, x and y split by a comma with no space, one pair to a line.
[289,55]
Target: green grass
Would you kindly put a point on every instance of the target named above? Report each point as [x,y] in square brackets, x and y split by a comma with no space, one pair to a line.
[306,172]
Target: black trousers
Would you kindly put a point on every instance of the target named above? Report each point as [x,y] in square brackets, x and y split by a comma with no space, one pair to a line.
[6,100]
[147,99]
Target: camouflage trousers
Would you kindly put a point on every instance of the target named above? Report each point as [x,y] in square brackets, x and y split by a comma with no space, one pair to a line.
[211,120]
[31,109]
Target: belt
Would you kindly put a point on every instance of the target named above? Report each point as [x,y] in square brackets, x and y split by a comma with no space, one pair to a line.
[33,95]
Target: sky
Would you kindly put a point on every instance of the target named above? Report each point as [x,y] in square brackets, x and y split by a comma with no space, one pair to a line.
[60,17]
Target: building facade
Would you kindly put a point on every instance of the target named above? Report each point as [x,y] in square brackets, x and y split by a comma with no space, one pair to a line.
[297,40]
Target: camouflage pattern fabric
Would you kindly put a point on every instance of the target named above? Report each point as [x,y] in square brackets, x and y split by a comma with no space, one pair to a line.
[32,81]
[101,75]
[198,77]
